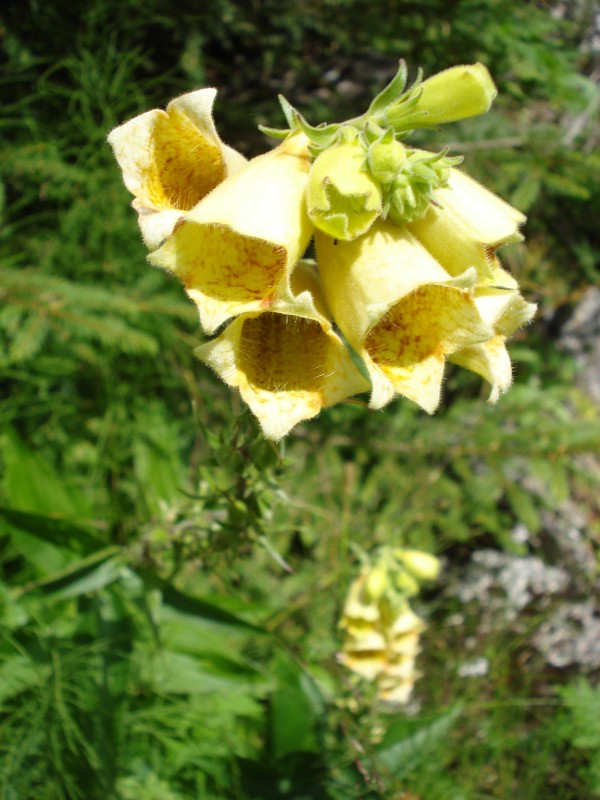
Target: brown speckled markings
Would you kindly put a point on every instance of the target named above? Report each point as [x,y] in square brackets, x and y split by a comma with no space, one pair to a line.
[186,166]
[280,352]
[416,328]
[229,266]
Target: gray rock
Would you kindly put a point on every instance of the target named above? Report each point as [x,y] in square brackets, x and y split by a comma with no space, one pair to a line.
[580,336]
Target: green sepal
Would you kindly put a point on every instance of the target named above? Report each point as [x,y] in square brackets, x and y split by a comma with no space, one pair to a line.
[391,92]
[275,133]
[289,111]
[320,137]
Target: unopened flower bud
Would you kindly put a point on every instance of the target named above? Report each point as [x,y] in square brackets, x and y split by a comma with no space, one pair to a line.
[385,160]
[456,93]
[376,583]
[406,584]
[422,566]
[343,199]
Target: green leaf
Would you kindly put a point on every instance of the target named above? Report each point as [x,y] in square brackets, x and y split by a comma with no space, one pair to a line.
[55,531]
[179,673]
[409,751]
[87,575]
[203,613]
[19,673]
[583,703]
[296,710]
[32,484]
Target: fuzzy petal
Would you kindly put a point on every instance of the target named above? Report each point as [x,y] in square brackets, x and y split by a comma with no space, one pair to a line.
[400,311]
[490,360]
[288,363]
[171,160]
[235,251]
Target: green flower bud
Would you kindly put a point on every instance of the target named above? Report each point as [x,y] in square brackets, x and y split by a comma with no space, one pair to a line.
[413,187]
[406,584]
[385,159]
[376,583]
[455,93]
[343,199]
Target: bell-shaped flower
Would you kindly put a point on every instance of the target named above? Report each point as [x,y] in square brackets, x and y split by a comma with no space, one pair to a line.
[235,251]
[171,160]
[465,224]
[501,306]
[343,199]
[400,310]
[288,362]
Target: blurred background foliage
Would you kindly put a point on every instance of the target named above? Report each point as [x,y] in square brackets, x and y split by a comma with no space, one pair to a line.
[170,581]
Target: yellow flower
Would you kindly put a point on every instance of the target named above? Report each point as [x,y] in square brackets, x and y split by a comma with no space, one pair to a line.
[171,160]
[501,306]
[287,362]
[343,199]
[235,251]
[465,225]
[400,310]
[381,639]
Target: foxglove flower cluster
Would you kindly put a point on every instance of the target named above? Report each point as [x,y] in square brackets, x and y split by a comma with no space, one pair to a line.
[381,631]
[406,273]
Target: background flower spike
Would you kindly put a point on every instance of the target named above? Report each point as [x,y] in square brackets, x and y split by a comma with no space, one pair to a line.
[235,251]
[287,362]
[172,159]
[399,310]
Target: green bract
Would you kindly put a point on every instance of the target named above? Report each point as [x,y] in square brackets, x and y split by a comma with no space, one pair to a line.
[363,171]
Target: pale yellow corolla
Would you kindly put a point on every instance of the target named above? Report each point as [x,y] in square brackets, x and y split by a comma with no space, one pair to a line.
[172,159]
[235,251]
[287,362]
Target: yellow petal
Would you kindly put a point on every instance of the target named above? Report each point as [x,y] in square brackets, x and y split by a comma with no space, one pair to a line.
[394,691]
[500,303]
[501,306]
[407,622]
[171,160]
[465,226]
[490,360]
[367,640]
[407,644]
[288,363]
[400,669]
[359,607]
[235,251]
[367,664]
[400,311]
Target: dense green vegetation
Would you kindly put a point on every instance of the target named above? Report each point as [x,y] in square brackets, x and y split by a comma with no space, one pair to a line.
[171,582]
